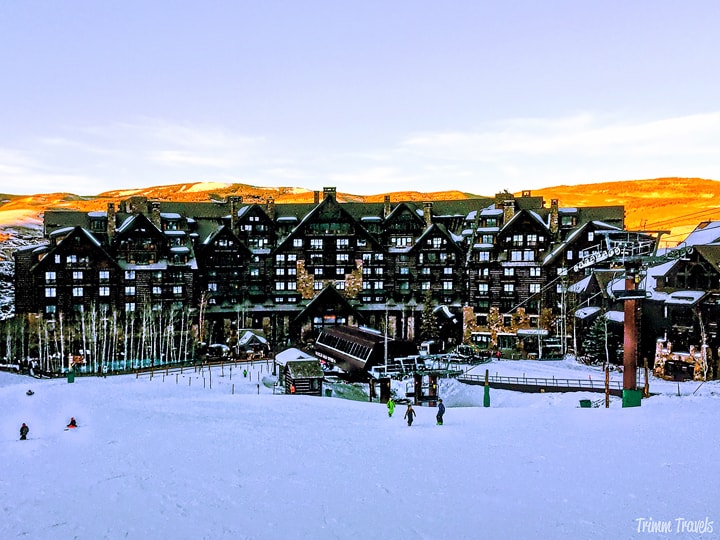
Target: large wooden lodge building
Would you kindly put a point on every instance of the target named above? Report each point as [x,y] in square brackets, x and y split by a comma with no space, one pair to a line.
[293,269]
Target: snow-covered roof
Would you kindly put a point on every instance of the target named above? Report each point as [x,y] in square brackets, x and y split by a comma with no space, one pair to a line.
[288,355]
[585,312]
[615,316]
[102,214]
[580,286]
[705,233]
[491,211]
[170,215]
[250,336]
[61,232]
[689,298]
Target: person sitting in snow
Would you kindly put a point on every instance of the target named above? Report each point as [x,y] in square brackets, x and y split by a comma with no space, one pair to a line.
[410,415]
[73,423]
[391,407]
[24,430]
[29,393]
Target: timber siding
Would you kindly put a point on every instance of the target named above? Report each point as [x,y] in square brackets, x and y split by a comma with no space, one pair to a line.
[272,261]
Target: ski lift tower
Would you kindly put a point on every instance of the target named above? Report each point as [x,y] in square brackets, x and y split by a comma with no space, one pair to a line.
[634,250]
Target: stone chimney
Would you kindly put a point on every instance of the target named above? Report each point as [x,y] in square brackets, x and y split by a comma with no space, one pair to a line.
[508,210]
[427,213]
[110,221]
[316,195]
[554,218]
[386,207]
[271,208]
[155,214]
[329,192]
[234,200]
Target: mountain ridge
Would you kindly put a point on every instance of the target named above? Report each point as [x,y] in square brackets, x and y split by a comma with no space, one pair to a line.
[671,203]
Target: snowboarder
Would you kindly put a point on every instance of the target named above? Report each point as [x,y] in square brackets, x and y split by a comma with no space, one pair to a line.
[440,412]
[29,393]
[72,424]
[24,430]
[391,407]
[410,415]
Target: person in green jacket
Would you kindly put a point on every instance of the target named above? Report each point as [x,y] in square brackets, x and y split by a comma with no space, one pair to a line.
[391,407]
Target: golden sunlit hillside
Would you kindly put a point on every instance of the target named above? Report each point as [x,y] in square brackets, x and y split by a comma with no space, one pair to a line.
[674,204]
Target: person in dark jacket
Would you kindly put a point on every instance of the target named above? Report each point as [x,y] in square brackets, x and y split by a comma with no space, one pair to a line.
[24,430]
[440,412]
[410,415]
[73,423]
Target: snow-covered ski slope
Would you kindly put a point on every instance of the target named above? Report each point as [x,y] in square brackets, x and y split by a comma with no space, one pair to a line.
[155,459]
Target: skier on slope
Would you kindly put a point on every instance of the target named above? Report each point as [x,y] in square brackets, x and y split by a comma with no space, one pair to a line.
[410,415]
[24,430]
[391,407]
[72,424]
[440,412]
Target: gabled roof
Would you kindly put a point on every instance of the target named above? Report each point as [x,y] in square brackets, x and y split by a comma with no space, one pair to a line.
[133,222]
[574,235]
[431,231]
[707,232]
[402,208]
[225,231]
[312,215]
[711,253]
[292,354]
[327,296]
[85,235]
[518,215]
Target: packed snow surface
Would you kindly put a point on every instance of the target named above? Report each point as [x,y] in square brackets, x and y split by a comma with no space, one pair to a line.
[218,455]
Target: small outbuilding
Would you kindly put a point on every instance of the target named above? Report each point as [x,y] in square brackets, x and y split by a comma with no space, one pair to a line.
[300,372]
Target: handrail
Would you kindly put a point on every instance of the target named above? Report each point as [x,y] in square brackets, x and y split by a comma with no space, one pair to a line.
[544,381]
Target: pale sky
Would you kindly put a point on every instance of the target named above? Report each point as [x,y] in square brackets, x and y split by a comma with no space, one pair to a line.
[368,96]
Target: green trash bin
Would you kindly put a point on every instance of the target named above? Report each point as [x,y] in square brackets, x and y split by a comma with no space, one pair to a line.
[71,376]
[328,392]
[585,404]
[631,398]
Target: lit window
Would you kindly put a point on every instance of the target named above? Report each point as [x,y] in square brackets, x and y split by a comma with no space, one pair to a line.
[483,288]
[297,242]
[508,288]
[534,271]
[534,288]
[129,274]
[129,306]
[50,292]
[130,290]
[104,275]
[157,291]
[104,291]
[77,291]
[77,275]
[177,290]
[50,277]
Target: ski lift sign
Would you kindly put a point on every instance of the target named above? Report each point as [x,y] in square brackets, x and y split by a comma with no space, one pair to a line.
[597,257]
